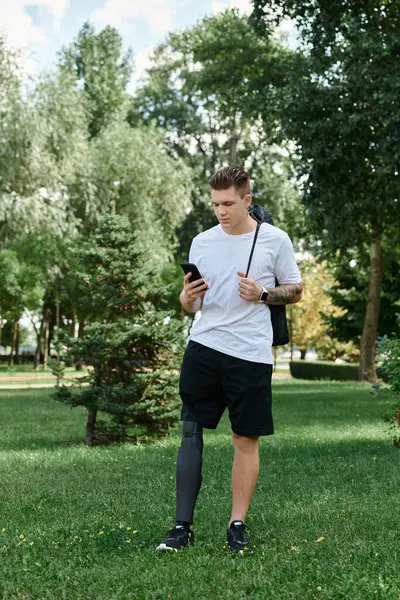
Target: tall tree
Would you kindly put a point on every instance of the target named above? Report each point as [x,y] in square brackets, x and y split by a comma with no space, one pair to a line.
[102,71]
[206,87]
[341,107]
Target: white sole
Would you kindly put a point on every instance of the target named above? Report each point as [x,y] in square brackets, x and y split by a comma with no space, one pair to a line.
[164,547]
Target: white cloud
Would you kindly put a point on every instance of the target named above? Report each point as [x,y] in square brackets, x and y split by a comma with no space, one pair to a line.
[158,13]
[244,6]
[18,25]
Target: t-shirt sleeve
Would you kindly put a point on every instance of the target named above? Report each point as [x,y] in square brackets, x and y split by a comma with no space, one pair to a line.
[285,267]
[193,254]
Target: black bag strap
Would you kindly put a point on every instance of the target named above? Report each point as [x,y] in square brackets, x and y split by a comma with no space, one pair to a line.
[252,249]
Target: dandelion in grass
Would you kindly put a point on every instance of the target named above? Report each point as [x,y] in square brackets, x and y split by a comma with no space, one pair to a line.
[320,539]
[21,537]
[3,530]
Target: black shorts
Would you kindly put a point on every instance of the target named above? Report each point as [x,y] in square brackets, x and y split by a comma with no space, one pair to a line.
[211,381]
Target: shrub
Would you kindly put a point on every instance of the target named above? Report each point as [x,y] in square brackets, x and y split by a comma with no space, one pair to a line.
[389,348]
[302,369]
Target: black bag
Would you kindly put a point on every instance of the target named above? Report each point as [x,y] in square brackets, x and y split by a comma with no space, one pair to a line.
[278,312]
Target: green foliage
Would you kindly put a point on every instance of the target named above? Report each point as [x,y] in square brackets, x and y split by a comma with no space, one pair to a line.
[133,350]
[389,348]
[101,70]
[207,87]
[135,177]
[330,349]
[302,369]
[20,287]
[351,272]
[7,334]
[341,108]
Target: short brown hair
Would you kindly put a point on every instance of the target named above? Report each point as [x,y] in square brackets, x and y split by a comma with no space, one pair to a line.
[227,177]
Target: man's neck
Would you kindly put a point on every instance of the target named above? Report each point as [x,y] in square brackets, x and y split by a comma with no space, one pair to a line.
[247,226]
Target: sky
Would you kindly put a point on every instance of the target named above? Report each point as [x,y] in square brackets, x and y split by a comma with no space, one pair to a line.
[42,28]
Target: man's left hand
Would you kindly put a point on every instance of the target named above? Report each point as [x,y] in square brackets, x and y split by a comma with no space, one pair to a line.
[249,290]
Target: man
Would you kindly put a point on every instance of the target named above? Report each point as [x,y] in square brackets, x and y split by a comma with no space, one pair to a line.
[228,360]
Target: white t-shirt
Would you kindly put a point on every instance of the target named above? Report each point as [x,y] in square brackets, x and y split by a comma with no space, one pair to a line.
[228,323]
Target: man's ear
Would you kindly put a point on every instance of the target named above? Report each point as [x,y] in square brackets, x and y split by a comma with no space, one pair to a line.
[248,200]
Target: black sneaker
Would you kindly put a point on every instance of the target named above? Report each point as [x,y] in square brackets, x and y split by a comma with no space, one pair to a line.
[237,539]
[178,538]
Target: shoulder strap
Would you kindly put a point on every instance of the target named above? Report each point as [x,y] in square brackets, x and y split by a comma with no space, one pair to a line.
[252,249]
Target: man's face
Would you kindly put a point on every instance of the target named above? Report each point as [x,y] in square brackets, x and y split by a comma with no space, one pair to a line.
[229,207]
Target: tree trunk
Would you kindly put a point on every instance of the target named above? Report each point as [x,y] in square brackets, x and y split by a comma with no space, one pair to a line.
[38,345]
[303,352]
[46,337]
[14,343]
[57,301]
[78,364]
[16,334]
[90,424]
[73,325]
[370,329]
[1,327]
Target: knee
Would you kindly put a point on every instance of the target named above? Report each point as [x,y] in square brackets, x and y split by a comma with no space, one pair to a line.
[245,444]
[192,435]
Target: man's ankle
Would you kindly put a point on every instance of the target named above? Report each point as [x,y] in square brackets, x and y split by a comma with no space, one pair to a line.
[184,524]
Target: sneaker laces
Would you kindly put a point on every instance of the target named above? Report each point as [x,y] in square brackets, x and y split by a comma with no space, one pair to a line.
[177,532]
[240,529]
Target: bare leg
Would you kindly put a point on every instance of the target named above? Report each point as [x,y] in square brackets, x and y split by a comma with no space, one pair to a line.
[245,471]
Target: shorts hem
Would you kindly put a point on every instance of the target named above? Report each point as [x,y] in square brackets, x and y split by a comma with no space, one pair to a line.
[252,432]
[187,418]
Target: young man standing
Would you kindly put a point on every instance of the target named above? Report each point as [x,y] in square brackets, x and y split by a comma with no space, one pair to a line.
[228,360]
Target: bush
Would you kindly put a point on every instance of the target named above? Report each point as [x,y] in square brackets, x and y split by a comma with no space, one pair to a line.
[389,371]
[302,369]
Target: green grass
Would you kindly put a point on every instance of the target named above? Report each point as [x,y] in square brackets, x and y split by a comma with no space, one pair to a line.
[329,472]
[25,375]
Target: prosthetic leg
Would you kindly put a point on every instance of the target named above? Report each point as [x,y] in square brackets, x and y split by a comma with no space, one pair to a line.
[188,471]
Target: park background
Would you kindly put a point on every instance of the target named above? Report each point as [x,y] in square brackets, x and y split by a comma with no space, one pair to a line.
[113,119]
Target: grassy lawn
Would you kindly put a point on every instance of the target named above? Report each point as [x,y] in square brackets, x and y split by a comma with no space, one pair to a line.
[325,516]
[25,375]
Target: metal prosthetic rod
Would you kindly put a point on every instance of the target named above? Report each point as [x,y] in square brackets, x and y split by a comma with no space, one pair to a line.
[188,470]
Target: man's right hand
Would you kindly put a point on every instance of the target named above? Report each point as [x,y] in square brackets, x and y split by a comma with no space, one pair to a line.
[193,291]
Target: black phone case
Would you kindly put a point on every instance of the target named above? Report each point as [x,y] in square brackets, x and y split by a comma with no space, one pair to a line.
[191,268]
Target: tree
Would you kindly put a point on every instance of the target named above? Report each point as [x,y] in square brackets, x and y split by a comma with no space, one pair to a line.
[207,87]
[102,71]
[350,291]
[341,107]
[131,347]
[20,289]
[308,319]
[136,177]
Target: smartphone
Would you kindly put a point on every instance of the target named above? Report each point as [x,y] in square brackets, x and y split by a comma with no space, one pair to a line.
[191,268]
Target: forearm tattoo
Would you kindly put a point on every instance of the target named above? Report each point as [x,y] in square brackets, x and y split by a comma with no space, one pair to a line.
[288,293]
